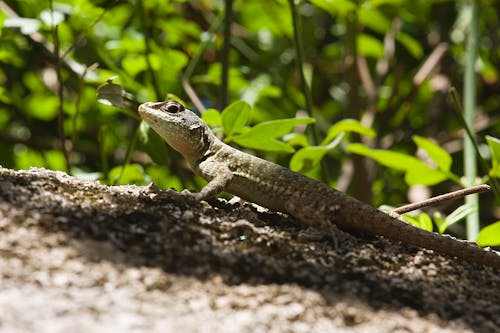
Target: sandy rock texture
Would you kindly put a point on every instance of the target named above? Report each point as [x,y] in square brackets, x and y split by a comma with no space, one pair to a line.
[78,256]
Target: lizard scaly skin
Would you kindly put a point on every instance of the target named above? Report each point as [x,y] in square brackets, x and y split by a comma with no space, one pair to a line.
[280,189]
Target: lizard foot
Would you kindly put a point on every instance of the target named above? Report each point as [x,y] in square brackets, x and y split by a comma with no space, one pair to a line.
[316,235]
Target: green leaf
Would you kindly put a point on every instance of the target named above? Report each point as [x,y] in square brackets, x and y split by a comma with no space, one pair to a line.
[151,143]
[421,174]
[170,63]
[235,117]
[3,16]
[393,160]
[26,158]
[411,44]
[51,17]
[163,178]
[494,145]
[387,2]
[489,235]
[489,72]
[85,175]
[438,218]
[436,153]
[212,117]
[370,46]
[55,160]
[374,19]
[42,107]
[134,65]
[263,136]
[128,174]
[347,125]
[336,7]
[422,221]
[297,140]
[458,214]
[308,158]
[265,144]
[416,171]
[110,93]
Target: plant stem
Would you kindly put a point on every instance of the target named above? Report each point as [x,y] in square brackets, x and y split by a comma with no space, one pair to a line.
[226,48]
[470,163]
[60,89]
[297,32]
[147,28]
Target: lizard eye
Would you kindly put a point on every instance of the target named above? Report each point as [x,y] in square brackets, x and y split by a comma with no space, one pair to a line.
[172,107]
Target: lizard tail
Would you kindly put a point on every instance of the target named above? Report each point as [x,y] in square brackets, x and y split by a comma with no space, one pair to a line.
[384,225]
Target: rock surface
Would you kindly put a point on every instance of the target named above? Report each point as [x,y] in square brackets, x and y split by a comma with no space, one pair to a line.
[78,256]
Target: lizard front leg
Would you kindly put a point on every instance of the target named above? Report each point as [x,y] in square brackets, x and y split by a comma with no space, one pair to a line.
[217,184]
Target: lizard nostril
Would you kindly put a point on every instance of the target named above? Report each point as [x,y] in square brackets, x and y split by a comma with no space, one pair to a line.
[172,107]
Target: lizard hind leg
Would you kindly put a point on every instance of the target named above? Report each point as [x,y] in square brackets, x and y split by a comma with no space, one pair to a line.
[312,212]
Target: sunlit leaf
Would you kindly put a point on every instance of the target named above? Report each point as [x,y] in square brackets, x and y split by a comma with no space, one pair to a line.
[128,174]
[422,221]
[263,136]
[391,159]
[163,178]
[235,117]
[134,65]
[41,106]
[3,16]
[348,125]
[27,26]
[421,174]
[436,153]
[309,157]
[212,117]
[411,44]
[334,7]
[489,235]
[374,18]
[51,17]
[110,93]
[26,158]
[55,160]
[370,46]
[457,215]
[416,172]
[494,145]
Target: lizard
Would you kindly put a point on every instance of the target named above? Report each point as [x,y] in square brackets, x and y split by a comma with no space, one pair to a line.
[277,188]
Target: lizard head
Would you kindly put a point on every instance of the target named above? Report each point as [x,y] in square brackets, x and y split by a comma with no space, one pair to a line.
[180,127]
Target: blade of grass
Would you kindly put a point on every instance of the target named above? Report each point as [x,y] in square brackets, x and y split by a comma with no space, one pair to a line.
[470,160]
[483,164]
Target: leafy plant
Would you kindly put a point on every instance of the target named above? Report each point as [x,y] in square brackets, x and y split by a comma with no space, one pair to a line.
[377,70]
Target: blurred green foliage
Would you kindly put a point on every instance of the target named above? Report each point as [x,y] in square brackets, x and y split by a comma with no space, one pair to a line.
[379,73]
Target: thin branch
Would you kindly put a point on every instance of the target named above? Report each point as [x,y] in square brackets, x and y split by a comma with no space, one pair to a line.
[297,32]
[192,94]
[440,198]
[430,63]
[370,89]
[425,70]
